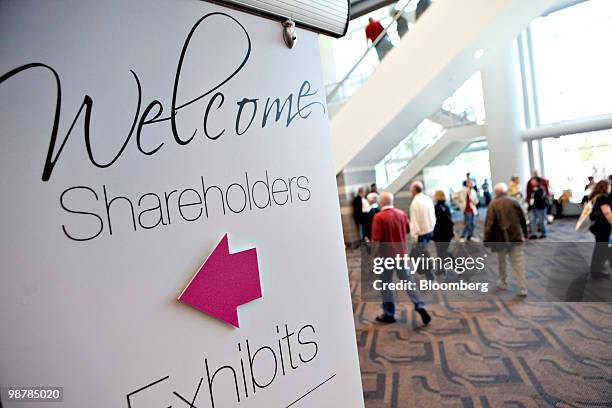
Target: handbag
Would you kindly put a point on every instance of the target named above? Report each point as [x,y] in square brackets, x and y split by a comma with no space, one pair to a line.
[584,221]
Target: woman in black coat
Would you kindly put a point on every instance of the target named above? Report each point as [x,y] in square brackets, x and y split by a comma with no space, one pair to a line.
[443,231]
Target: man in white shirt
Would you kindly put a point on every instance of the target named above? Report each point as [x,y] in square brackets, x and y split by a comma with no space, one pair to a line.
[422,219]
[422,214]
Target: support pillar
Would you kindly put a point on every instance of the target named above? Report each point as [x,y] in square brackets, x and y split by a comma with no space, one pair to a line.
[505,115]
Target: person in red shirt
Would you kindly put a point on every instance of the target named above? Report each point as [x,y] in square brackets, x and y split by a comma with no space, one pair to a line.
[537,197]
[372,31]
[389,230]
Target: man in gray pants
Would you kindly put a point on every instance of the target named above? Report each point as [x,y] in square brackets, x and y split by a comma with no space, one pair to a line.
[505,229]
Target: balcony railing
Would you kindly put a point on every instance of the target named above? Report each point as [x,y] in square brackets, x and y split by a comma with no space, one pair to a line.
[363,68]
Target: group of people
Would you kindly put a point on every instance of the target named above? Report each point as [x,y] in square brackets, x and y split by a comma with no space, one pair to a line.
[374,29]
[505,229]
[365,207]
[535,203]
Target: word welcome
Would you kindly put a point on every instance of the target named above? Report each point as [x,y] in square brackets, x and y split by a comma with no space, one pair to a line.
[246,110]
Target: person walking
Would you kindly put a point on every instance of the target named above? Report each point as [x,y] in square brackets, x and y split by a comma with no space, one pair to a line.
[389,230]
[505,227]
[369,217]
[401,22]
[443,230]
[422,221]
[537,216]
[358,211]
[467,201]
[486,192]
[587,189]
[422,6]
[538,204]
[373,30]
[514,189]
[601,217]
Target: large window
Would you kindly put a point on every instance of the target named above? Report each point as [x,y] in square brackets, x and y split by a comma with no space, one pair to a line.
[569,160]
[572,62]
[464,107]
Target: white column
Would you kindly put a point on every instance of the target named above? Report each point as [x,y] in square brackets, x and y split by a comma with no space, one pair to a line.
[501,83]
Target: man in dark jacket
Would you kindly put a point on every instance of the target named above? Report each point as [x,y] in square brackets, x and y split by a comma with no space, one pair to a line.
[422,5]
[505,228]
[358,211]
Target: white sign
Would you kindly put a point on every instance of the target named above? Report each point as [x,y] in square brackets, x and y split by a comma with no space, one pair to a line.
[134,135]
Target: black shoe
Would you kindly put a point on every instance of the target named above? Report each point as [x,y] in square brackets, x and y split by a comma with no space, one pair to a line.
[385,318]
[424,316]
[542,236]
[533,236]
[600,275]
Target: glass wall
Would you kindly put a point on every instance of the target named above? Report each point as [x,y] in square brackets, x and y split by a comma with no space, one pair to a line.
[569,160]
[467,102]
[449,178]
[567,70]
[394,163]
[464,107]
[348,50]
[572,62]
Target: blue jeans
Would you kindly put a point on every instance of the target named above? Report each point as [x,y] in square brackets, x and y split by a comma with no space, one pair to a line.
[388,300]
[470,223]
[537,218]
[423,240]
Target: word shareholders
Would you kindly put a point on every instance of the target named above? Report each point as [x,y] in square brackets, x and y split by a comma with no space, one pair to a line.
[254,368]
[90,207]
[95,211]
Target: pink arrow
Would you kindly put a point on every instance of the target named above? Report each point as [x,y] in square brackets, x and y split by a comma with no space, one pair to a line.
[224,282]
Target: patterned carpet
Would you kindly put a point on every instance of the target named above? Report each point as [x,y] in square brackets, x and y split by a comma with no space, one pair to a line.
[501,351]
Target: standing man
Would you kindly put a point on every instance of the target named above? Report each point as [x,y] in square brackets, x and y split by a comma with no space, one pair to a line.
[422,220]
[505,227]
[358,210]
[537,216]
[373,30]
[422,6]
[486,192]
[467,201]
[389,231]
[369,217]
[538,206]
[401,22]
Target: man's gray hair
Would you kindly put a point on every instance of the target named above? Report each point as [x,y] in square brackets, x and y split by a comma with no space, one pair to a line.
[417,185]
[500,189]
[372,198]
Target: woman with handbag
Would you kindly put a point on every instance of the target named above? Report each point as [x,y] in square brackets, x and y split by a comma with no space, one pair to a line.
[601,218]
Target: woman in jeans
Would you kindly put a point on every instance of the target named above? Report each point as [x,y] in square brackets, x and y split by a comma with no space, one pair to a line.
[601,216]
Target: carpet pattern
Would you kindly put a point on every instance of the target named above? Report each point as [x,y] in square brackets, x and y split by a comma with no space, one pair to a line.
[500,351]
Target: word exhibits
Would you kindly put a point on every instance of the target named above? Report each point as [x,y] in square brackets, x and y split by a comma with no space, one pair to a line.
[252,370]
